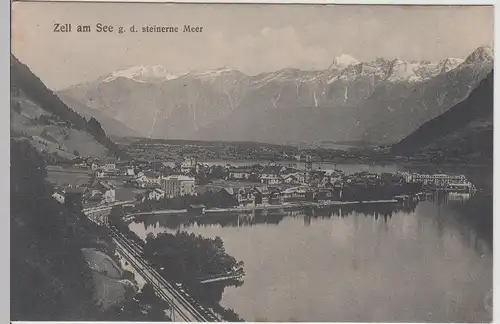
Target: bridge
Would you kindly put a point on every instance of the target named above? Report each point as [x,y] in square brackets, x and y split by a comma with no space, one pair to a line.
[183,307]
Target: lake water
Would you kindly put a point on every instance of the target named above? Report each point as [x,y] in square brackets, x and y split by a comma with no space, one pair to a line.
[429,262]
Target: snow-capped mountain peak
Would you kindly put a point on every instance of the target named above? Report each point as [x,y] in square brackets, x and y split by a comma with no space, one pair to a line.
[397,70]
[342,61]
[215,74]
[483,54]
[144,73]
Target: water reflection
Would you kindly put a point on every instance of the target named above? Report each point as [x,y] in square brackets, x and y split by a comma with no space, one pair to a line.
[274,217]
[425,261]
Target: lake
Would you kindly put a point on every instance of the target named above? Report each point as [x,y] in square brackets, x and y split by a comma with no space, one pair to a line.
[429,262]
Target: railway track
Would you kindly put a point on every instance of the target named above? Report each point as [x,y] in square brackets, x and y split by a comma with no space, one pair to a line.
[183,304]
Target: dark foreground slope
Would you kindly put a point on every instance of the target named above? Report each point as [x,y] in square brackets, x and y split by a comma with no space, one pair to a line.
[50,277]
[464,132]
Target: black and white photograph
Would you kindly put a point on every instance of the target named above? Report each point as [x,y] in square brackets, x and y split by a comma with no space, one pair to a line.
[204,162]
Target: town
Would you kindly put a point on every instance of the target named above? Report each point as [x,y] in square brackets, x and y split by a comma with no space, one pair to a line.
[191,185]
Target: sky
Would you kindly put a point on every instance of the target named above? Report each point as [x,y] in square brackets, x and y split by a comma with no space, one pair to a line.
[248,37]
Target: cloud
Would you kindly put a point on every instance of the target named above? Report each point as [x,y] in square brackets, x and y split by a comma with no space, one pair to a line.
[278,48]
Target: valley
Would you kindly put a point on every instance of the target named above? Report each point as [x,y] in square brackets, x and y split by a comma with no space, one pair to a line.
[236,162]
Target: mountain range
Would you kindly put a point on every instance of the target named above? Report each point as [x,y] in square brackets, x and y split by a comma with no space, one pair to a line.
[381,101]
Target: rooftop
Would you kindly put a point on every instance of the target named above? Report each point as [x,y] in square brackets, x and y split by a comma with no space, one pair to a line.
[179,178]
[77,190]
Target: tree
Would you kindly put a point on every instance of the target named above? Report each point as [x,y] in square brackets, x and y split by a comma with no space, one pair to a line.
[48,272]
[95,128]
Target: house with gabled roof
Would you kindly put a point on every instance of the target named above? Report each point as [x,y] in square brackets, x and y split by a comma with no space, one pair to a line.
[270,175]
[100,192]
[239,173]
[149,179]
[58,195]
[268,195]
[290,178]
[155,194]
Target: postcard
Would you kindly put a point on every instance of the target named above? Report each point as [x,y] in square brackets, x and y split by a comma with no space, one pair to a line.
[251,162]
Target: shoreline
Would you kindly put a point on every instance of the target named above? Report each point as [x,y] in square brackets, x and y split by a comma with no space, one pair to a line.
[251,208]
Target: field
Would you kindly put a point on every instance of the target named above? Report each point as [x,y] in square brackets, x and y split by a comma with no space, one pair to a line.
[68,176]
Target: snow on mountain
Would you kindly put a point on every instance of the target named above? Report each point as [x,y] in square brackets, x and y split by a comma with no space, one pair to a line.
[211,75]
[218,103]
[420,71]
[449,64]
[287,75]
[343,61]
[397,70]
[483,54]
[378,69]
[143,73]
[412,71]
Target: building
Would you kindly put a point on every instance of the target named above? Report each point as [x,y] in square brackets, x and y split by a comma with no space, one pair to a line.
[295,194]
[270,179]
[109,166]
[196,209]
[289,179]
[58,195]
[252,196]
[109,163]
[178,185]
[293,178]
[156,194]
[333,193]
[246,196]
[101,192]
[190,165]
[240,173]
[149,179]
[107,190]
[100,173]
[268,195]
[105,173]
[440,180]
[270,175]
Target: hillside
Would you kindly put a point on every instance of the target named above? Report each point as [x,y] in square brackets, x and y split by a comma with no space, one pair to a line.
[38,115]
[465,131]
